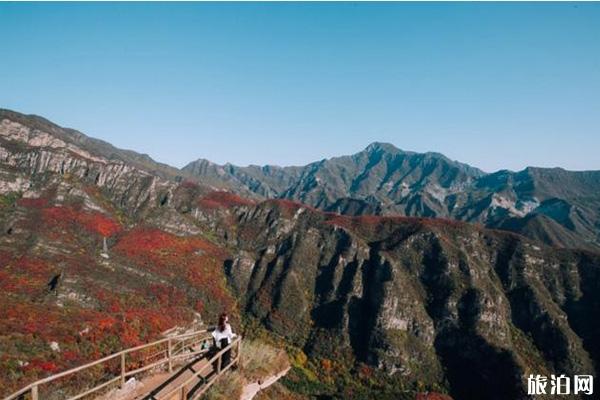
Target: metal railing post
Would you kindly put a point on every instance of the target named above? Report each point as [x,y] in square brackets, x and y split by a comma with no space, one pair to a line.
[122,370]
[170,353]
[34,392]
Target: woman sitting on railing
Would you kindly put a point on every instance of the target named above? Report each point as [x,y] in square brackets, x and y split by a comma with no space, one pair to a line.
[222,337]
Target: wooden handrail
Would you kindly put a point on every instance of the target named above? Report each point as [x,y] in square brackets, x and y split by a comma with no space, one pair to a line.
[33,388]
[182,388]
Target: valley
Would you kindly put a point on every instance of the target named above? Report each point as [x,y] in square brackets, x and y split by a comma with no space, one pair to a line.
[385,273]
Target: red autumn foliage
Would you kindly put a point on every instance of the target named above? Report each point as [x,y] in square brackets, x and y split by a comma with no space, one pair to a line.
[130,336]
[221,199]
[105,323]
[105,316]
[373,224]
[46,366]
[326,365]
[24,275]
[32,266]
[91,221]
[168,296]
[83,334]
[42,321]
[70,356]
[196,260]
[157,245]
[132,324]
[199,307]
[33,203]
[120,316]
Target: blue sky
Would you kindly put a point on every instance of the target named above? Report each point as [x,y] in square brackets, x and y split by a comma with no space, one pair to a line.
[494,85]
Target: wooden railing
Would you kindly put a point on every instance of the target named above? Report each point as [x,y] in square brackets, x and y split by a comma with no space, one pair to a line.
[182,388]
[175,351]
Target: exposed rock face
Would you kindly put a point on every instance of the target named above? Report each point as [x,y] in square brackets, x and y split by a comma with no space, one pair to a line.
[61,195]
[389,179]
[29,152]
[422,300]
[34,152]
[65,303]
[553,205]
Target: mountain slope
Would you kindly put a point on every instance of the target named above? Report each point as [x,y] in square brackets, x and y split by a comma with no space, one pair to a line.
[422,300]
[383,180]
[379,174]
[65,303]
[21,125]
[368,306]
[34,152]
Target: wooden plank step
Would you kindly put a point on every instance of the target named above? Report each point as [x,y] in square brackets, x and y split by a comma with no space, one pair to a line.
[160,391]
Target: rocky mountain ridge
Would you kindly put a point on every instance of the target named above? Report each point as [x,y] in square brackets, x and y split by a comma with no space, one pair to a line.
[556,206]
[553,205]
[372,305]
[421,299]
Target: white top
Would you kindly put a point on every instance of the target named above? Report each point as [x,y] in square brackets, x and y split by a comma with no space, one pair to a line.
[225,334]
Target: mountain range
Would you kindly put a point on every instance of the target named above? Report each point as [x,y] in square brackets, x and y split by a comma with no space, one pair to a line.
[553,205]
[385,274]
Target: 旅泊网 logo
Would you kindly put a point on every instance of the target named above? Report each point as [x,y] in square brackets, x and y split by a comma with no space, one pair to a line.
[560,384]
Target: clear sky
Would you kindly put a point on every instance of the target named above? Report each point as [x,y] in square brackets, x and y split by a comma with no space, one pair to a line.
[494,85]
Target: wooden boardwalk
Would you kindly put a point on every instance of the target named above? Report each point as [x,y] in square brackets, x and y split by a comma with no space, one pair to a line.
[192,369]
[193,379]
[178,380]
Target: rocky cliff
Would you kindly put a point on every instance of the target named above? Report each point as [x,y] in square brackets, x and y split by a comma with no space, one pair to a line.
[549,204]
[421,299]
[382,305]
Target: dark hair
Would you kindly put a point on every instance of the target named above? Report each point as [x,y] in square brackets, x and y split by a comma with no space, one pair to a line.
[222,320]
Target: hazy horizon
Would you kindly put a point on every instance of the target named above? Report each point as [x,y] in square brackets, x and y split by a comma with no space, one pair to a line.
[496,86]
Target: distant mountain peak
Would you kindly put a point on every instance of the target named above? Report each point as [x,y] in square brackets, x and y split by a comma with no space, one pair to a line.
[380,179]
[305,275]
[383,146]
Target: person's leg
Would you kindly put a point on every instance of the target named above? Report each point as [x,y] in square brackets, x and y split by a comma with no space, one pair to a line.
[211,353]
[226,358]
